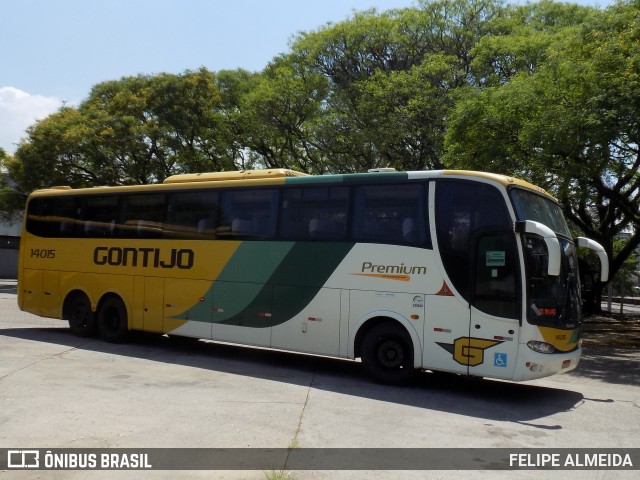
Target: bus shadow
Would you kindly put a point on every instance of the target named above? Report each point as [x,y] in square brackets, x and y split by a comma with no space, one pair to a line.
[487,399]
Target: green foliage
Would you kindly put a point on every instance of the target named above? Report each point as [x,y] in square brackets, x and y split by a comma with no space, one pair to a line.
[11,201]
[517,40]
[282,112]
[571,124]
[391,78]
[134,130]
[372,91]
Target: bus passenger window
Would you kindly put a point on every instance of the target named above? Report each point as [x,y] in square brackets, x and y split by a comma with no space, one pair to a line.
[143,216]
[390,214]
[99,216]
[248,214]
[192,215]
[314,213]
[52,217]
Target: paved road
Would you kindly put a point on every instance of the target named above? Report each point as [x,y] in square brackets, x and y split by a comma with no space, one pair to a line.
[60,391]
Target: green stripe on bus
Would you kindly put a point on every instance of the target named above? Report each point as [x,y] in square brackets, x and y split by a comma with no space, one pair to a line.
[293,285]
[240,281]
[279,279]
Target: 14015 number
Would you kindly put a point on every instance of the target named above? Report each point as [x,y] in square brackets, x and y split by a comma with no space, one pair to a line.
[43,253]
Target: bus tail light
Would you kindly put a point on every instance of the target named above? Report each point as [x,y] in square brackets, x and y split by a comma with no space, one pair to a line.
[541,347]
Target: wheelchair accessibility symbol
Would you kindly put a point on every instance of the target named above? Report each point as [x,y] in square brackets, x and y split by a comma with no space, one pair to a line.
[500,360]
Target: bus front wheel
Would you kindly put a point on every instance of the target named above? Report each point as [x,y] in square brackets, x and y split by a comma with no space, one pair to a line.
[112,320]
[77,311]
[387,354]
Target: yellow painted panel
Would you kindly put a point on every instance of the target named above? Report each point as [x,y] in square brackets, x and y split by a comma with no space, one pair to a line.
[563,340]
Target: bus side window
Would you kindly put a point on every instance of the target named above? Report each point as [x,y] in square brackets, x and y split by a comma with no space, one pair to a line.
[52,217]
[192,215]
[248,214]
[98,216]
[314,213]
[143,216]
[390,214]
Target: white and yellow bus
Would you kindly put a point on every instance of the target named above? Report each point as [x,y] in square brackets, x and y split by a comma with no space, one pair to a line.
[454,271]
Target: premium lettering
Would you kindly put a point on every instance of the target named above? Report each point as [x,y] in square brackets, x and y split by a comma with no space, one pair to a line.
[144,257]
[402,269]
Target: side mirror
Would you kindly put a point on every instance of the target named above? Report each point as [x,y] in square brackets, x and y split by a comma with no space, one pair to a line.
[602,255]
[550,239]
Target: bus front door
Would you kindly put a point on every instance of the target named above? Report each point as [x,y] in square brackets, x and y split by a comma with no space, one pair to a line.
[494,313]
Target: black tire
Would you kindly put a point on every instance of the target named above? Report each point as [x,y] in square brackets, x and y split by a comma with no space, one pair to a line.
[387,355]
[77,311]
[112,320]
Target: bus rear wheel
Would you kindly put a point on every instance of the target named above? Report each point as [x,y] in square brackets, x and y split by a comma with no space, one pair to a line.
[77,311]
[387,354]
[112,320]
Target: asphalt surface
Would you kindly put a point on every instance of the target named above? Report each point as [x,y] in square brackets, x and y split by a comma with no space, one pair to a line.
[61,391]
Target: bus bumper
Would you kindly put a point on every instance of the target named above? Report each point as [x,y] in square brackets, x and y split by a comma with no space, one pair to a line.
[532,365]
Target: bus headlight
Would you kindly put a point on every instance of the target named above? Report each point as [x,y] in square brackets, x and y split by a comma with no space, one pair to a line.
[541,347]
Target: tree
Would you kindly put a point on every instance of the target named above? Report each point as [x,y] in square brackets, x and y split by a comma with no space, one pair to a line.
[404,113]
[233,86]
[134,130]
[572,126]
[372,91]
[281,116]
[10,200]
[517,40]
[61,149]
[155,126]
[390,77]
[627,277]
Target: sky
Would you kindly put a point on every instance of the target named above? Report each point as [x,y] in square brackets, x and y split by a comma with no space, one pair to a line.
[54,51]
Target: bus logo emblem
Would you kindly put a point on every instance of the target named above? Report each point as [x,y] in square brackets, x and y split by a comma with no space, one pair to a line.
[470,351]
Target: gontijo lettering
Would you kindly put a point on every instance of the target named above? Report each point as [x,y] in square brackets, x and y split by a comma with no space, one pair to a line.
[144,257]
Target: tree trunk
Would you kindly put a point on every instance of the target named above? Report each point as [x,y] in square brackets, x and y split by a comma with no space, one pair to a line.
[621,307]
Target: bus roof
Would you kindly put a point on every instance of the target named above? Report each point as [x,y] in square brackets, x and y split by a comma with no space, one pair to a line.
[234,175]
[503,179]
[281,176]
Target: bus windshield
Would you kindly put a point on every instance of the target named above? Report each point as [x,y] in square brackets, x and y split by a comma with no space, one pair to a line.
[531,206]
[551,300]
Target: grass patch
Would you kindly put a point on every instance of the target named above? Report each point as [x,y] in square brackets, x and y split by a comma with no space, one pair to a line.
[279,475]
[293,444]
